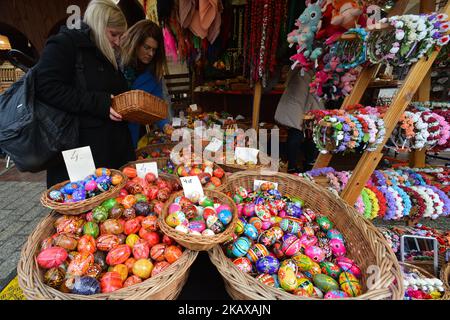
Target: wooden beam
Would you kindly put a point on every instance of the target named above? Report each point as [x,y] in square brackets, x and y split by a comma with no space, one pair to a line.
[370,160]
[256,105]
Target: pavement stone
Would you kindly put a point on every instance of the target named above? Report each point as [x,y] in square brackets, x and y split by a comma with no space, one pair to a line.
[11,230]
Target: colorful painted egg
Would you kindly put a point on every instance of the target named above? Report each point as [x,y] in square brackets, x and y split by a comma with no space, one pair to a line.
[250,231]
[289,263]
[214,224]
[91,228]
[209,211]
[208,233]
[80,264]
[267,264]
[256,222]
[300,292]
[56,195]
[293,210]
[315,253]
[262,212]
[150,223]
[198,226]
[86,243]
[141,249]
[276,249]
[335,234]
[121,269]
[107,242]
[118,255]
[241,246]
[79,195]
[54,277]
[288,279]
[267,238]
[335,294]
[324,223]
[100,259]
[225,216]
[110,282]
[349,284]
[99,214]
[206,202]
[172,253]
[337,247]
[266,279]
[330,269]
[243,264]
[174,219]
[308,241]
[90,186]
[159,267]
[66,241]
[103,183]
[325,283]
[109,204]
[190,212]
[289,226]
[249,210]
[112,226]
[174,207]
[51,257]
[307,285]
[317,293]
[291,244]
[303,262]
[129,201]
[143,268]
[141,207]
[157,252]
[116,179]
[131,226]
[131,240]
[256,252]
[94,271]
[86,286]
[132,280]
[102,172]
[239,229]
[129,213]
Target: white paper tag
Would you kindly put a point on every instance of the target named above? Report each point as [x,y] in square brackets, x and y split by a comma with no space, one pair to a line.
[217,127]
[79,163]
[193,107]
[191,185]
[239,117]
[198,132]
[258,183]
[214,145]
[176,122]
[144,168]
[246,154]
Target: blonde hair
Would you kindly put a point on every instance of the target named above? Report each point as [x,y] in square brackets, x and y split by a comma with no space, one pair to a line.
[134,38]
[99,15]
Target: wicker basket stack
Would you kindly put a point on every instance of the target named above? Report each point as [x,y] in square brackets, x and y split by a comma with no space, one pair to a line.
[364,243]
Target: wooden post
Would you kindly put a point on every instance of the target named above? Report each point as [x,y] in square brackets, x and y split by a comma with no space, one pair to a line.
[369,161]
[256,105]
[417,158]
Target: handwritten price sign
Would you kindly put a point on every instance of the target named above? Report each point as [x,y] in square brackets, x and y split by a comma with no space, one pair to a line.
[79,163]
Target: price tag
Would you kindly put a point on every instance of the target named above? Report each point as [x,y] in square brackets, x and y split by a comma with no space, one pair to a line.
[191,185]
[216,127]
[214,145]
[193,107]
[246,154]
[79,163]
[144,168]
[258,183]
[176,122]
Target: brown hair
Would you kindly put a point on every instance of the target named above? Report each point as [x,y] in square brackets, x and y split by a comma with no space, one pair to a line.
[135,37]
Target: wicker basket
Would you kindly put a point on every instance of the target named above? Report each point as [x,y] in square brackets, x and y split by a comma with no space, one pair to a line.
[153,147]
[364,243]
[445,277]
[199,243]
[140,106]
[164,286]
[264,162]
[223,180]
[426,274]
[161,162]
[85,205]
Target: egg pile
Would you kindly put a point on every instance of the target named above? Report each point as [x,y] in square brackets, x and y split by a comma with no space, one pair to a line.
[200,216]
[419,287]
[290,247]
[91,186]
[114,246]
[209,177]
[158,152]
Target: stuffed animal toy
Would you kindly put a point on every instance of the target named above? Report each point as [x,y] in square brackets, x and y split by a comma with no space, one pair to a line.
[308,24]
[346,13]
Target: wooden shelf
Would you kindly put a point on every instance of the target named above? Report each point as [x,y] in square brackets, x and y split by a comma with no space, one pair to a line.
[379,83]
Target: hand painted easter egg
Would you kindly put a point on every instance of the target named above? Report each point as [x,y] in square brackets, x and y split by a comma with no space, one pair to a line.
[335,234]
[349,284]
[112,226]
[116,211]
[87,243]
[110,282]
[157,252]
[143,268]
[118,255]
[267,264]
[51,257]
[131,281]
[325,283]
[239,229]
[291,245]
[107,242]
[214,224]
[94,271]
[54,277]
[308,241]
[330,269]
[335,294]
[159,267]
[121,269]
[266,279]
[172,253]
[243,264]
[66,241]
[241,246]
[315,253]
[198,226]
[250,231]
[337,247]
[99,214]
[225,216]
[131,240]
[256,252]
[80,264]
[132,226]
[306,284]
[56,195]
[289,226]
[324,223]
[91,228]
[288,279]
[141,249]
[303,262]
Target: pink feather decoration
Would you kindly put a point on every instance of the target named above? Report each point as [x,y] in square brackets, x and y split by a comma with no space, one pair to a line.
[170,44]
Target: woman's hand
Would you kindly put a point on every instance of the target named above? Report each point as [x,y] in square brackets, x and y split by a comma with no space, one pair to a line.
[113,115]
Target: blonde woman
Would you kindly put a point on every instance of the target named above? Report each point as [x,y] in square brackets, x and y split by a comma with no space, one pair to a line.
[78,72]
[142,61]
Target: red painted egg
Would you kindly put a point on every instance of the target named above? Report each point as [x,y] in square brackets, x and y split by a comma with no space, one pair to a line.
[157,252]
[160,267]
[107,242]
[172,253]
[111,281]
[80,264]
[150,223]
[87,244]
[132,226]
[151,237]
[167,240]
[130,263]
[118,255]
[51,257]
[132,280]
[141,249]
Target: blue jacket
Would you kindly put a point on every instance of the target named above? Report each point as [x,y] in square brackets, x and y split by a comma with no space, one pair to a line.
[147,82]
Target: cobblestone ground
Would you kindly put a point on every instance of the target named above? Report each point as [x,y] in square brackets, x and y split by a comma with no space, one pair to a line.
[20,212]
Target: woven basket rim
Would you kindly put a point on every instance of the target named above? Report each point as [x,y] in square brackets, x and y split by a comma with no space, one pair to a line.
[191,241]
[157,160]
[80,207]
[138,291]
[392,286]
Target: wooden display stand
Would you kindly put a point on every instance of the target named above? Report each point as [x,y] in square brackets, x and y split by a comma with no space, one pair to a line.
[415,78]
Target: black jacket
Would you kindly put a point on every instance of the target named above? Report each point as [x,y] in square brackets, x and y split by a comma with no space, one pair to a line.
[56,84]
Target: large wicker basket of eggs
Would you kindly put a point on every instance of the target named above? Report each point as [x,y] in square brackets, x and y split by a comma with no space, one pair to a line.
[296,240]
[114,251]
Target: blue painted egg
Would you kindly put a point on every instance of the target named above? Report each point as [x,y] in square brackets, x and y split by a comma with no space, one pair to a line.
[225,216]
[56,195]
[267,264]
[294,210]
[86,286]
[70,188]
[79,194]
[289,226]
[241,247]
[251,231]
[103,183]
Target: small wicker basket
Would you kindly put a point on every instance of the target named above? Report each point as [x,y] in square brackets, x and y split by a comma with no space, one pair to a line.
[161,162]
[79,207]
[140,106]
[445,277]
[153,147]
[223,180]
[199,243]
[428,275]
[264,162]
[164,286]
[364,243]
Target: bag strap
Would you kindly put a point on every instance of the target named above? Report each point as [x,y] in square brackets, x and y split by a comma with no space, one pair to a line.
[79,70]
